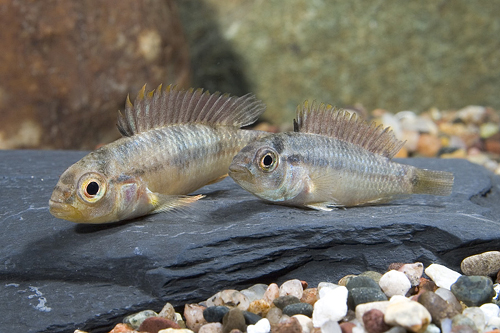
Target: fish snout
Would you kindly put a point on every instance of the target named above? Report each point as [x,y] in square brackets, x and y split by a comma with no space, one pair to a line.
[60,207]
[239,171]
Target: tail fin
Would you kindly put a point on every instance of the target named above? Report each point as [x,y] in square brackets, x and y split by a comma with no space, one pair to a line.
[433,182]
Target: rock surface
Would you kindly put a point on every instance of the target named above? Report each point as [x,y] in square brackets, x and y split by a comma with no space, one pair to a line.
[59,276]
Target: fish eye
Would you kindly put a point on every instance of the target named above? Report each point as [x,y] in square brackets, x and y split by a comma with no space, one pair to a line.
[268,160]
[92,187]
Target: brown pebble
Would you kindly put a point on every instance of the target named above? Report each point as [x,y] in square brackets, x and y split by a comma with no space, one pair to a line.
[310,296]
[347,327]
[492,144]
[236,331]
[291,325]
[395,266]
[154,324]
[304,284]
[498,277]
[437,307]
[259,307]
[122,328]
[426,284]
[428,145]
[374,321]
[234,319]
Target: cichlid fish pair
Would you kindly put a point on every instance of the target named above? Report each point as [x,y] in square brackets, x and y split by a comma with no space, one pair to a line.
[332,159]
[173,143]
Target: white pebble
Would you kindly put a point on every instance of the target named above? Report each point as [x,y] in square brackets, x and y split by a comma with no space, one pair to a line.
[446,325]
[255,292]
[262,326]
[305,322]
[442,276]
[229,297]
[431,328]
[332,306]
[411,315]
[331,326]
[327,285]
[394,283]
[175,330]
[211,328]
[365,307]
[490,310]
[493,323]
[292,287]
[272,292]
[396,329]
[477,316]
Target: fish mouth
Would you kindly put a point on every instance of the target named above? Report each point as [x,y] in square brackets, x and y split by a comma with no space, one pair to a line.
[239,172]
[64,211]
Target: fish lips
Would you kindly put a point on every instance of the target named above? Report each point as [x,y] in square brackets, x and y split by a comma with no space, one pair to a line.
[239,172]
[64,211]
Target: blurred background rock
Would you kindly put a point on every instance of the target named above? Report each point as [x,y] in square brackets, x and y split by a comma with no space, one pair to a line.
[67,66]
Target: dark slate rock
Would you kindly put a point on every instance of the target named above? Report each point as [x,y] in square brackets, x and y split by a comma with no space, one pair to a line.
[473,290]
[251,318]
[362,281]
[305,309]
[59,276]
[282,301]
[214,314]
[363,295]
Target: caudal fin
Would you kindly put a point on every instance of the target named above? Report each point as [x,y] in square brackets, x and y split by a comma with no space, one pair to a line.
[433,182]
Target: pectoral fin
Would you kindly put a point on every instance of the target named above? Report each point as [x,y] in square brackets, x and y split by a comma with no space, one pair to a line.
[216,180]
[164,203]
[324,206]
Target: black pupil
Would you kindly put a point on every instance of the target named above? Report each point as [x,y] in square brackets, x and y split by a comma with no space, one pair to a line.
[267,161]
[92,188]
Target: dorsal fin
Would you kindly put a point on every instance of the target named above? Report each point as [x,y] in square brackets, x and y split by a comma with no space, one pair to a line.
[160,108]
[337,123]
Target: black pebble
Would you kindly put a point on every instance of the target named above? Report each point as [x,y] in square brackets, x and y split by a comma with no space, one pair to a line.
[305,309]
[283,301]
[214,314]
[251,318]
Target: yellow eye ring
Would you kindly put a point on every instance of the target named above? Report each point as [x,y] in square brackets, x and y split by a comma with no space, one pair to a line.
[268,160]
[92,187]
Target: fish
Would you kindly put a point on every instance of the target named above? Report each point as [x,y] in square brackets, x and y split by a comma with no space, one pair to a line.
[332,159]
[173,142]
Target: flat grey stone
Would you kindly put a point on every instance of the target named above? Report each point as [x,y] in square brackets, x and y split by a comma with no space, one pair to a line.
[58,276]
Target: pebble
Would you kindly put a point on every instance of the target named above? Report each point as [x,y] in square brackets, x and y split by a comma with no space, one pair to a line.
[413,272]
[477,316]
[411,315]
[292,287]
[274,315]
[487,263]
[461,320]
[463,329]
[262,326]
[428,145]
[155,324]
[194,316]
[362,295]
[255,292]
[431,328]
[282,301]
[119,328]
[310,296]
[492,324]
[211,328]
[473,290]
[347,327]
[251,318]
[290,325]
[448,296]
[363,308]
[305,322]
[362,281]
[490,310]
[373,321]
[135,320]
[441,275]
[325,287]
[305,309]
[332,306]
[394,283]
[259,307]
[437,307]
[168,312]
[331,326]
[344,280]
[214,314]
[231,298]
[234,319]
[375,276]
[272,292]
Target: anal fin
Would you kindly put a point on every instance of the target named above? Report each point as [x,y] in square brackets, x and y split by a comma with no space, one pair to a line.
[324,206]
[164,202]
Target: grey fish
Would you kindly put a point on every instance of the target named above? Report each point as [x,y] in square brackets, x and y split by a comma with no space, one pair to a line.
[173,143]
[332,159]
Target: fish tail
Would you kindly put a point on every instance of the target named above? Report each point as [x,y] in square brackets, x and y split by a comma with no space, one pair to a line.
[432,182]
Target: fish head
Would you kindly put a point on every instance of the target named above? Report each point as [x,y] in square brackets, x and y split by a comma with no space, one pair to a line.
[262,168]
[86,194]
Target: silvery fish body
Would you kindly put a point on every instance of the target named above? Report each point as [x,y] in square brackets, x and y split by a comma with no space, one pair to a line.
[174,143]
[332,160]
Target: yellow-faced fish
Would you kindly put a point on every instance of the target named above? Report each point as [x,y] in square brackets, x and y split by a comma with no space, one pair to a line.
[332,159]
[173,143]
